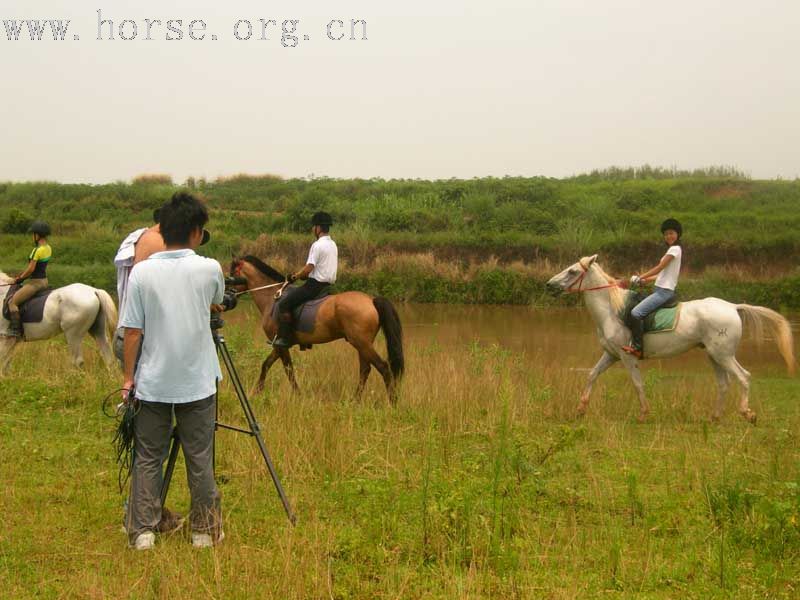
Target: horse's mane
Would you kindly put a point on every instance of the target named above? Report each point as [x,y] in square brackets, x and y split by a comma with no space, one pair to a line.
[616,293]
[264,268]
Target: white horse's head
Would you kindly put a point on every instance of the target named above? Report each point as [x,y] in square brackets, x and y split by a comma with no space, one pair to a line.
[5,278]
[571,277]
[587,275]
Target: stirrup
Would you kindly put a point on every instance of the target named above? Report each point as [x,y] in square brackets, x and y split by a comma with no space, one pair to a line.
[278,342]
[634,352]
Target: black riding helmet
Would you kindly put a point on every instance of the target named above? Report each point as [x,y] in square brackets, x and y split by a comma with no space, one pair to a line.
[322,218]
[673,224]
[40,228]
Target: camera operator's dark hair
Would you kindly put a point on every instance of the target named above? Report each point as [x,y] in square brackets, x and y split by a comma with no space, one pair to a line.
[157,215]
[180,216]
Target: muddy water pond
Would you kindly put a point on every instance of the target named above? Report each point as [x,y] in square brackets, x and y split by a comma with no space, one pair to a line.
[550,337]
[554,336]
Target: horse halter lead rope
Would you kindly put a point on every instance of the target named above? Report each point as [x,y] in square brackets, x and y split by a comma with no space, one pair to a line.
[237,272]
[263,287]
[579,282]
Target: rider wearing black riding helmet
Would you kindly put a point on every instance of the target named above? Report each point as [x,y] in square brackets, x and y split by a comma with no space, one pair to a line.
[320,273]
[35,273]
[665,274]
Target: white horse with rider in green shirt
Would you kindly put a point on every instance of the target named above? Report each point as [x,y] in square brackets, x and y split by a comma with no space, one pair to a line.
[75,310]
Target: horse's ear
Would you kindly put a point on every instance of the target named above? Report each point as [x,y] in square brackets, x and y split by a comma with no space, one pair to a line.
[592,260]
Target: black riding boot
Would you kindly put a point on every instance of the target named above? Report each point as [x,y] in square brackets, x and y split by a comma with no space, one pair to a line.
[16,325]
[283,340]
[637,338]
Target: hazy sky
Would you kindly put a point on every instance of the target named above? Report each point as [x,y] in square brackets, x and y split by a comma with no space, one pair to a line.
[439,89]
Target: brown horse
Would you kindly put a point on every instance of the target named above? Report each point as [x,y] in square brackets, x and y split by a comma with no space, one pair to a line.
[354,316]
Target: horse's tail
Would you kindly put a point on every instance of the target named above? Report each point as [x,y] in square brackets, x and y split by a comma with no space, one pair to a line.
[393,330]
[106,320]
[779,326]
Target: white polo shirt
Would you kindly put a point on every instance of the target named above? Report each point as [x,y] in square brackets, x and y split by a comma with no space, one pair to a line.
[668,278]
[324,255]
[170,295]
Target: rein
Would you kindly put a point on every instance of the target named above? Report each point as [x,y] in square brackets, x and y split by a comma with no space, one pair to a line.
[238,272]
[579,282]
[279,293]
[263,287]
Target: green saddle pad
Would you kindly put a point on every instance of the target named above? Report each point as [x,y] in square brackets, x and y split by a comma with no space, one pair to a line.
[664,319]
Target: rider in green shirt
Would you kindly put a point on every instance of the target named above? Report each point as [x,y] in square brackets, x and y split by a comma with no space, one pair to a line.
[35,274]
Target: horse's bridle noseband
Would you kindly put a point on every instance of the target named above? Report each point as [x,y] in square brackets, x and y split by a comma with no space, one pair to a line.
[579,282]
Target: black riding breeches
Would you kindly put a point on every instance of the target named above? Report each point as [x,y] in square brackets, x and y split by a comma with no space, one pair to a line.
[300,294]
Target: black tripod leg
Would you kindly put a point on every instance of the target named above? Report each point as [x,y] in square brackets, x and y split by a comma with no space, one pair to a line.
[253,424]
[173,457]
[216,426]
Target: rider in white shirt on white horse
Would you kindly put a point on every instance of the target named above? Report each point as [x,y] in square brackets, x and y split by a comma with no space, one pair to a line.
[665,274]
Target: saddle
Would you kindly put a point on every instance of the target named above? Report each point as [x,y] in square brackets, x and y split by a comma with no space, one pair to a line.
[30,312]
[304,316]
[661,320]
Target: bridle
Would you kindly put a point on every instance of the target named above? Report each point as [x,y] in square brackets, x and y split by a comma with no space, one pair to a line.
[238,273]
[579,282]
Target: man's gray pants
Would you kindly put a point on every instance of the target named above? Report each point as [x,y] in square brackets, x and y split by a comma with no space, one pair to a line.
[153,432]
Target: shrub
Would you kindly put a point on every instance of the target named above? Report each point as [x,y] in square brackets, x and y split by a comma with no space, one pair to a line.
[152,179]
[16,221]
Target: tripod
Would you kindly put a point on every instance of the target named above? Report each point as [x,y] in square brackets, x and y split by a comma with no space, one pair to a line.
[253,429]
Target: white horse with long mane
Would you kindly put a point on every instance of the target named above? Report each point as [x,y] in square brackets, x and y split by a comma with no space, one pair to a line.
[711,323]
[75,309]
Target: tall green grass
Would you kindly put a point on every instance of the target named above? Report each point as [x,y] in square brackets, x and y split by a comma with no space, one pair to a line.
[479,484]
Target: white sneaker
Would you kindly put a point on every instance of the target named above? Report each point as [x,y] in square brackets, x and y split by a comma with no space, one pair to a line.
[204,540]
[145,541]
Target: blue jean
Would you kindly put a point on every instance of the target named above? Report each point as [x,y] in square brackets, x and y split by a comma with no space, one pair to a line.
[653,302]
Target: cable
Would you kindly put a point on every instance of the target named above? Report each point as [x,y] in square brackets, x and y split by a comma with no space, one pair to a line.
[123,442]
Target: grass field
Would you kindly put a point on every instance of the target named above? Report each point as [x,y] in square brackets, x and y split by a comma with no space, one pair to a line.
[480,483]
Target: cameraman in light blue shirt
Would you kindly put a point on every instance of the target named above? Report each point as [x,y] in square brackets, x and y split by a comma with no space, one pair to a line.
[171,296]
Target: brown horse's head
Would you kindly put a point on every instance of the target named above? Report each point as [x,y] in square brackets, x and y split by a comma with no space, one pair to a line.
[254,270]
[236,267]
[236,279]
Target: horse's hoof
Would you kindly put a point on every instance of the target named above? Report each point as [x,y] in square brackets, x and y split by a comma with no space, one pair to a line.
[716,418]
[642,418]
[750,417]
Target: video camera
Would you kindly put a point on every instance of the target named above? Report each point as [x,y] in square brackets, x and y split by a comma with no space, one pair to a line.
[229,301]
